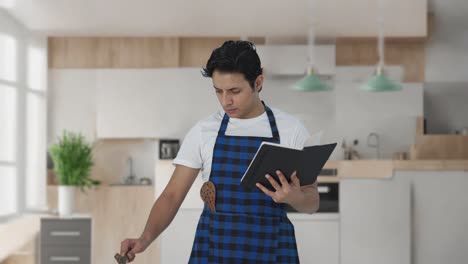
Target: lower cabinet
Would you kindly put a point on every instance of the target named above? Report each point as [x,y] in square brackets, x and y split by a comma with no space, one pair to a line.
[317,237]
[65,240]
[176,241]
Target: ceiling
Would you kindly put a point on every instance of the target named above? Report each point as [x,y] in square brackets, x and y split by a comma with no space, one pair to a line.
[352,18]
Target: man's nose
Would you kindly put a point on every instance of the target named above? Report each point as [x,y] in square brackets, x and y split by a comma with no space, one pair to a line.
[227,99]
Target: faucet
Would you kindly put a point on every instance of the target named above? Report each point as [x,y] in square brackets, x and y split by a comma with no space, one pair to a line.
[376,144]
[130,179]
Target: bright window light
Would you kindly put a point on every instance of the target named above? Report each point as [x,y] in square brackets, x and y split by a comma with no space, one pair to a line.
[36,68]
[8,191]
[8,4]
[8,50]
[7,123]
[35,151]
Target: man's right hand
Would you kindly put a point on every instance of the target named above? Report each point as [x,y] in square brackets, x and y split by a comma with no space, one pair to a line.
[130,247]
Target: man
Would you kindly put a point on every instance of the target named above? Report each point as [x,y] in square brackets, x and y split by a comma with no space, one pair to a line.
[248,226]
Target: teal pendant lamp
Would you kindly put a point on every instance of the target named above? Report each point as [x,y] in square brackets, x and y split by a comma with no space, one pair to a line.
[380,82]
[311,82]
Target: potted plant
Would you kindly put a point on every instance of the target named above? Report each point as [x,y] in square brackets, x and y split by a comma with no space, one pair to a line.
[73,160]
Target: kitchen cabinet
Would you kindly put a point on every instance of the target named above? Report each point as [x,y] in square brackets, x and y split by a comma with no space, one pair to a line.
[375,222]
[317,237]
[176,241]
[163,173]
[151,103]
[65,240]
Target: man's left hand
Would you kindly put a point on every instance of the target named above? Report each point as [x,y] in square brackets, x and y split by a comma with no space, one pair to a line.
[285,192]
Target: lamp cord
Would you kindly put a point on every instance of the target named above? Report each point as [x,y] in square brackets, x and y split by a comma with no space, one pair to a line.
[381,40]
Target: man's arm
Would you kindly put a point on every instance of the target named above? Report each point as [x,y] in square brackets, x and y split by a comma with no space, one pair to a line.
[163,211]
[310,201]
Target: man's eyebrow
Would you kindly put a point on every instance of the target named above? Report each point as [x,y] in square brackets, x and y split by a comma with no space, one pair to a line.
[230,89]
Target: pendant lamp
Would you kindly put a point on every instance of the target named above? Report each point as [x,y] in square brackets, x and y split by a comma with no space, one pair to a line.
[380,82]
[311,82]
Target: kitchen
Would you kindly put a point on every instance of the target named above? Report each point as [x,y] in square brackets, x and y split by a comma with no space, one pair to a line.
[130,86]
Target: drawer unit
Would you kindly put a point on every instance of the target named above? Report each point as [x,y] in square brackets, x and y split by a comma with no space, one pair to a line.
[65,255]
[65,240]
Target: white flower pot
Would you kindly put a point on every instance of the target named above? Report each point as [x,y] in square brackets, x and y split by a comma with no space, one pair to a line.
[66,199]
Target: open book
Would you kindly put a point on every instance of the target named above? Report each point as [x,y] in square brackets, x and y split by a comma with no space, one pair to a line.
[270,157]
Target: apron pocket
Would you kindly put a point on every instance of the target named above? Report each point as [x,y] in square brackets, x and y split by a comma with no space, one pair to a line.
[236,238]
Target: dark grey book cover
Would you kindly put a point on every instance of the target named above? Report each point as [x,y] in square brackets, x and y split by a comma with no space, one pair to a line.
[271,157]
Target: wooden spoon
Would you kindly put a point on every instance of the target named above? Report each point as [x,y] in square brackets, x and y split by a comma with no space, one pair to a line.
[208,194]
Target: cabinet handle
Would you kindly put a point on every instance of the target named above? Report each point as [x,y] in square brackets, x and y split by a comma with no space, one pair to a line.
[323,189]
[65,233]
[64,258]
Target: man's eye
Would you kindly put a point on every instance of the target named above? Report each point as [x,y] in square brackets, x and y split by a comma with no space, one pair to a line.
[235,91]
[218,91]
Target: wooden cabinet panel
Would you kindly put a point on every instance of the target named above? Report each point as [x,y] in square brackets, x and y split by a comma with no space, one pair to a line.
[363,51]
[440,147]
[72,52]
[113,52]
[195,52]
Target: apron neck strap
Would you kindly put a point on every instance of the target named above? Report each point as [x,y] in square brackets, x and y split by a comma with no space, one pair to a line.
[271,119]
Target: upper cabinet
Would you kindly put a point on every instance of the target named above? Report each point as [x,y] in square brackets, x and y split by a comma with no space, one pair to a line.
[151,103]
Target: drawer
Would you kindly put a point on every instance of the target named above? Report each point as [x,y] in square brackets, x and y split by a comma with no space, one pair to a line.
[65,255]
[65,232]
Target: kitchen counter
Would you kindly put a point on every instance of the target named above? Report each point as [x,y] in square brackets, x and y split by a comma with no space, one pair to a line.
[387,168]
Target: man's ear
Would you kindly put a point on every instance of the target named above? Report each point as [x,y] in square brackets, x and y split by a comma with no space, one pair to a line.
[259,83]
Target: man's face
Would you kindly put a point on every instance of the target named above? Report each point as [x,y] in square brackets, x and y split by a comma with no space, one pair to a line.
[235,95]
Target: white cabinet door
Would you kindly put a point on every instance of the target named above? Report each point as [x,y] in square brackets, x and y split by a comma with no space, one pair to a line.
[375,221]
[177,240]
[153,103]
[163,173]
[317,238]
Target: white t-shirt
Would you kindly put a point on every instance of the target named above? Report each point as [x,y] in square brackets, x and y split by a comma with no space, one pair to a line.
[197,147]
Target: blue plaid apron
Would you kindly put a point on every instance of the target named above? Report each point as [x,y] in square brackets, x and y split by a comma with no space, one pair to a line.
[248,226]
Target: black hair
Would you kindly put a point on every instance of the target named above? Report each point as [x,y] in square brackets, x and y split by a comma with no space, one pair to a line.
[238,56]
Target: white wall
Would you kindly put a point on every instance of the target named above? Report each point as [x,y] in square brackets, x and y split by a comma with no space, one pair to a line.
[446,51]
[348,113]
[445,107]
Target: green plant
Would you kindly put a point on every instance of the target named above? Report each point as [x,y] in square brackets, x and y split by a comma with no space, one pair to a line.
[73,160]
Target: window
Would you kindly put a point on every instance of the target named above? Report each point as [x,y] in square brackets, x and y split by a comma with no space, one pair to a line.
[8,126]
[23,93]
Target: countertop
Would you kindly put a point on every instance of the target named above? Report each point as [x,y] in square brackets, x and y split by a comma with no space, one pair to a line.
[386,168]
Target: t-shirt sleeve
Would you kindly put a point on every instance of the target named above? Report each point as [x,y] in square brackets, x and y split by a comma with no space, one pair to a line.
[301,135]
[190,151]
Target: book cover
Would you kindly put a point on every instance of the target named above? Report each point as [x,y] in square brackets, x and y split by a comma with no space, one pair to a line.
[271,157]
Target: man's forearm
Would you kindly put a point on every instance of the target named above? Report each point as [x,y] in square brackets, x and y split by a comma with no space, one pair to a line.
[161,215]
[308,202]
